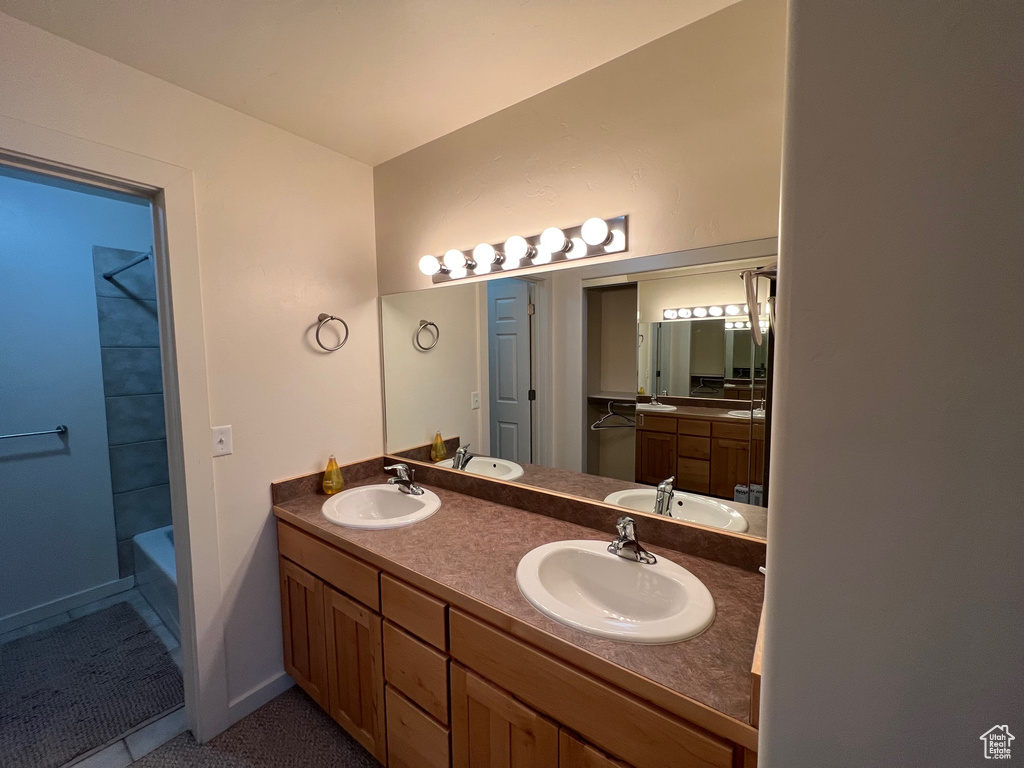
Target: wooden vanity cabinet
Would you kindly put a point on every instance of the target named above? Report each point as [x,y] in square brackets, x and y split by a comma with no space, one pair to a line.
[655,448]
[302,621]
[575,753]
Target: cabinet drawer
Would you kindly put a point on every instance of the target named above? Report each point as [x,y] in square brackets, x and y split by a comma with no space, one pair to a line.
[414,740]
[417,670]
[656,423]
[611,719]
[693,475]
[423,615]
[731,431]
[693,427]
[353,577]
[694,447]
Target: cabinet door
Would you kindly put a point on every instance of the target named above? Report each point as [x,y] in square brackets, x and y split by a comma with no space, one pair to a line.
[574,753]
[490,729]
[355,670]
[302,624]
[728,466]
[655,456]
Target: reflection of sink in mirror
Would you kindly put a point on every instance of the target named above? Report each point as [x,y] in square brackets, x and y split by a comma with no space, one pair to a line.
[758,414]
[652,407]
[685,506]
[583,585]
[486,466]
[379,506]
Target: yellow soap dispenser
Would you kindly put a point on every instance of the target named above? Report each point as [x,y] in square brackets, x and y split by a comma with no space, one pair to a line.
[333,481]
[437,450]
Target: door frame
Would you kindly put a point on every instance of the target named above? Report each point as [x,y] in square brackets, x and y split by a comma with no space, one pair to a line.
[186,400]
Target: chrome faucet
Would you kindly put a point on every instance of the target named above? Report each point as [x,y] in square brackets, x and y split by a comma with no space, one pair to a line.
[654,398]
[663,501]
[626,544]
[405,480]
[462,457]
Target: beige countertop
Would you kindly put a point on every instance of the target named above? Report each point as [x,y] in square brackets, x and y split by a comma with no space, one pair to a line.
[467,553]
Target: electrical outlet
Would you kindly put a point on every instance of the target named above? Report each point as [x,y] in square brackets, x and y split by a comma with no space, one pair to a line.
[474,401]
[222,441]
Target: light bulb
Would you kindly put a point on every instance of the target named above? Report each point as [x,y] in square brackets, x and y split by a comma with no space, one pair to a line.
[618,242]
[715,311]
[577,249]
[685,313]
[670,314]
[732,309]
[429,265]
[700,312]
[517,249]
[728,326]
[554,240]
[484,254]
[482,268]
[746,308]
[542,256]
[454,259]
[459,272]
[747,324]
[595,232]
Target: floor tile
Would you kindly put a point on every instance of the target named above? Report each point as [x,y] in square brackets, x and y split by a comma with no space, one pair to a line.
[114,756]
[156,734]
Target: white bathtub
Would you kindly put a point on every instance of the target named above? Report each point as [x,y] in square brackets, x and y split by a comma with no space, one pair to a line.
[156,575]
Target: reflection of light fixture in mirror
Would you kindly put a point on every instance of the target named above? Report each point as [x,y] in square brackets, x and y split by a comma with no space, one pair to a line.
[732,309]
[554,240]
[577,249]
[715,311]
[429,265]
[542,256]
[728,326]
[684,312]
[618,242]
[455,259]
[485,257]
[747,324]
[459,272]
[595,232]
[700,312]
[517,249]
[670,314]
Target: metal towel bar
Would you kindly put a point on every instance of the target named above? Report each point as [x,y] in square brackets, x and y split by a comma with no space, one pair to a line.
[60,430]
[109,275]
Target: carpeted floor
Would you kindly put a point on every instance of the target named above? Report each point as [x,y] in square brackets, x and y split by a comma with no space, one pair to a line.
[75,687]
[288,732]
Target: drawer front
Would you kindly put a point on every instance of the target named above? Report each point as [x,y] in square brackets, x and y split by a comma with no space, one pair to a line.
[693,427]
[417,670]
[655,423]
[343,572]
[414,740]
[615,721]
[694,447]
[693,475]
[416,611]
[731,431]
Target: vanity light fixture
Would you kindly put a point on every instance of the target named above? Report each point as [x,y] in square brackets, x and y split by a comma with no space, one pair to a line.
[728,326]
[670,314]
[715,311]
[595,237]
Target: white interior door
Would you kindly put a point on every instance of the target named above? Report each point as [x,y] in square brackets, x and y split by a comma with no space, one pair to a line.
[508,333]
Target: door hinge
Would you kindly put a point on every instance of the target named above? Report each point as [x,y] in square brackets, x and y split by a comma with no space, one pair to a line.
[531,309]
[531,395]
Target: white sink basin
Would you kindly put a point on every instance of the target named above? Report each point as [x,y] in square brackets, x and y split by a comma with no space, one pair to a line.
[583,585]
[658,407]
[685,506]
[486,466]
[758,414]
[379,506]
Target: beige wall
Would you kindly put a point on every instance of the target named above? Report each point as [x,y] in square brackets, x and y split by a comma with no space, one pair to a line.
[895,588]
[285,232]
[427,391]
[683,134]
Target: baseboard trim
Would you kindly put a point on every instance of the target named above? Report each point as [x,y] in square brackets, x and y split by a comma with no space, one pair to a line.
[252,700]
[64,604]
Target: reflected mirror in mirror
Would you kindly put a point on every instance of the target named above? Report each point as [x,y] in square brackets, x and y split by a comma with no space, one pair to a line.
[582,381]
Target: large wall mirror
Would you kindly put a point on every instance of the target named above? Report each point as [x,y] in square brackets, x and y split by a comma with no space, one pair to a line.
[610,382]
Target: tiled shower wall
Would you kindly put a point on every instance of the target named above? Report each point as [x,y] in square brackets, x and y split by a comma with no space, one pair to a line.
[132,384]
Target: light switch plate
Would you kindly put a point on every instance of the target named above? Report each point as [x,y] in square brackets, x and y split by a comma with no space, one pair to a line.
[222,441]
[474,401]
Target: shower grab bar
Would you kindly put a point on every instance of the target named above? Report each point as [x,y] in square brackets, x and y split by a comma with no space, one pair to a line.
[60,430]
[129,265]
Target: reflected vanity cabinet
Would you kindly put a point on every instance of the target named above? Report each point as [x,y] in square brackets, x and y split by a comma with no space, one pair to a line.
[705,456]
[421,684]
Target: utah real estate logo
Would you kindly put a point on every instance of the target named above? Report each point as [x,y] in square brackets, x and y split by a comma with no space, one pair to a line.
[997,742]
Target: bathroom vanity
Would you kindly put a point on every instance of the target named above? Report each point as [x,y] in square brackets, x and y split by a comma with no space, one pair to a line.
[419,643]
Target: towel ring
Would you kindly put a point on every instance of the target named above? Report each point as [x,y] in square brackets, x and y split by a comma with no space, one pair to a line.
[324,319]
[416,336]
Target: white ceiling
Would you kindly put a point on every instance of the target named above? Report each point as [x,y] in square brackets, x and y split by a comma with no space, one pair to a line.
[369,78]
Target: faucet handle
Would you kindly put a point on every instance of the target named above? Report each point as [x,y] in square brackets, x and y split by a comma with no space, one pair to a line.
[402,471]
[626,527]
